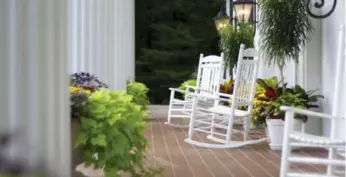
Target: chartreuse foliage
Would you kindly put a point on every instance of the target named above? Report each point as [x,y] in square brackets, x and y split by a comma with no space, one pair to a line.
[191,82]
[112,134]
[139,92]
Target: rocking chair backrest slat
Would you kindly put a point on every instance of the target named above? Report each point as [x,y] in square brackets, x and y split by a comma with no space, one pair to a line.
[209,73]
[245,78]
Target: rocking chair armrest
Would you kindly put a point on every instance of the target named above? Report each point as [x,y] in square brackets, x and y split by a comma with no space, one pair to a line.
[216,93]
[197,89]
[212,97]
[177,90]
[224,95]
[309,113]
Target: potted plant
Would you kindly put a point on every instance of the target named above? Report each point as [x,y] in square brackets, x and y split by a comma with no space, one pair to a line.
[260,104]
[284,28]
[230,39]
[111,136]
[82,85]
[273,99]
[227,87]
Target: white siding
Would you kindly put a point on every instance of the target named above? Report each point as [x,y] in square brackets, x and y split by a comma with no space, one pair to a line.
[306,73]
[330,27]
[102,40]
[266,71]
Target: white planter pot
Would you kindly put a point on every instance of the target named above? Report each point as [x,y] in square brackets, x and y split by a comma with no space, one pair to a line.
[90,171]
[275,132]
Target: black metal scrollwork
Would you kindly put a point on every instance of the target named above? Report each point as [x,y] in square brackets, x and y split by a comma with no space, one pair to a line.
[319,5]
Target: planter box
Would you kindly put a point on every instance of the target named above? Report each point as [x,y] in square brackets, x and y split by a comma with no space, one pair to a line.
[275,132]
[89,171]
[78,169]
[77,155]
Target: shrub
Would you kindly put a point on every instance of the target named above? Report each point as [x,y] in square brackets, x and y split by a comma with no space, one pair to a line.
[191,82]
[230,40]
[139,92]
[112,134]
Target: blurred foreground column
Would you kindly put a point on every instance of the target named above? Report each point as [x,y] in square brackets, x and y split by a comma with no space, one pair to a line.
[33,79]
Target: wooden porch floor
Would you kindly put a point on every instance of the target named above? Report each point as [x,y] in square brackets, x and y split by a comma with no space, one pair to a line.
[179,159]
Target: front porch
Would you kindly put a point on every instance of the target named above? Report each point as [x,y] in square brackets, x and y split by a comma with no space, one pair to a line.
[169,151]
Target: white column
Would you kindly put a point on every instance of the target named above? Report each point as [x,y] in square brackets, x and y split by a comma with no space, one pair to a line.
[265,71]
[34,81]
[103,40]
[309,70]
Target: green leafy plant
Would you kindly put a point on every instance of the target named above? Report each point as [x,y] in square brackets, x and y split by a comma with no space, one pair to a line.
[230,40]
[139,92]
[260,104]
[274,97]
[112,134]
[227,86]
[191,82]
[284,30]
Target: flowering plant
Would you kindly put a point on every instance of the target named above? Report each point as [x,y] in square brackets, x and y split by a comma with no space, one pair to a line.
[87,81]
[78,97]
[273,97]
[227,86]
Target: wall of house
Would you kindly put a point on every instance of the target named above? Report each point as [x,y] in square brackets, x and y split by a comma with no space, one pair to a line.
[306,73]
[102,40]
[330,31]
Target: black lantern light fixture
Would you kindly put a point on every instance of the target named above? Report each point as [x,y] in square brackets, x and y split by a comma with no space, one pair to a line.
[245,11]
[222,19]
[241,11]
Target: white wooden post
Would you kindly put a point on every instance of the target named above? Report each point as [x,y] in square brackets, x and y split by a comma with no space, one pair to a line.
[34,94]
[102,39]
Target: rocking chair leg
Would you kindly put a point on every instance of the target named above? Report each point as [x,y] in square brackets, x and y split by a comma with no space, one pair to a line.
[229,130]
[286,149]
[170,107]
[192,119]
[212,128]
[246,127]
[331,155]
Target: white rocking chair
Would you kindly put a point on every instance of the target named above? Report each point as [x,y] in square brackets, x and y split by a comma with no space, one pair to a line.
[221,121]
[209,77]
[294,138]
